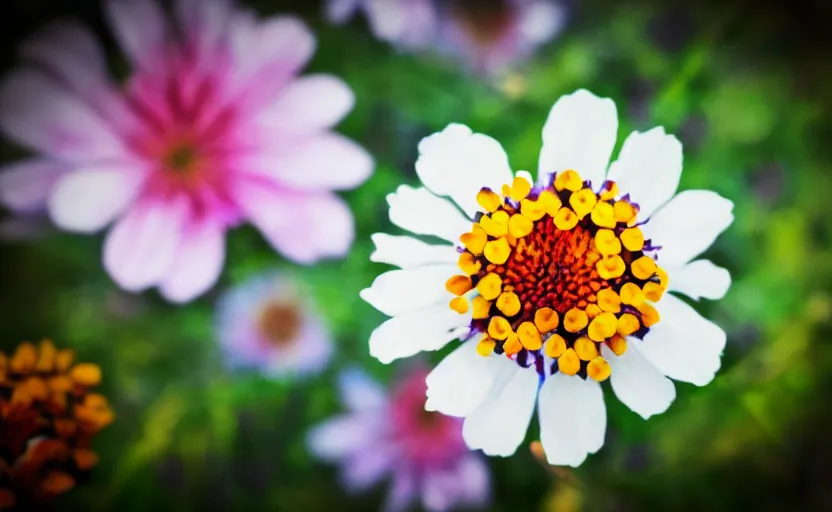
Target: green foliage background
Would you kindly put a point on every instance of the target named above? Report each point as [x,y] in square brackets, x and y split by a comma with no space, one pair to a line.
[749,98]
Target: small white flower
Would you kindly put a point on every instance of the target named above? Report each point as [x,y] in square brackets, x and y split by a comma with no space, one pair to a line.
[557,286]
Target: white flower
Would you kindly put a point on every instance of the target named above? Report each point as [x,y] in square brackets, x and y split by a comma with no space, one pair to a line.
[556,287]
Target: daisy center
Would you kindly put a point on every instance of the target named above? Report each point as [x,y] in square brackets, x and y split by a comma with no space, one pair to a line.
[556,272]
[280,323]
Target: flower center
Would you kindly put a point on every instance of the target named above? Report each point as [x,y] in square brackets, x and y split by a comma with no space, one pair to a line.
[484,22]
[280,323]
[556,272]
[181,158]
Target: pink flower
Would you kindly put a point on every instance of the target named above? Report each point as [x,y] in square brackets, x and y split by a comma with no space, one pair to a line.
[213,128]
[268,323]
[487,35]
[423,452]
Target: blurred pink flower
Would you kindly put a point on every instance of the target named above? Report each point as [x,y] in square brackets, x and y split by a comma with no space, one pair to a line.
[423,452]
[212,128]
[488,35]
[267,323]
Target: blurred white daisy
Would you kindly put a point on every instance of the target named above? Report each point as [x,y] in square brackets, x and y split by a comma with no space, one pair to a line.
[267,323]
[551,285]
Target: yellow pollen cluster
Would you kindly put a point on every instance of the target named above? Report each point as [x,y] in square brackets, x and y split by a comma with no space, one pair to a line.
[557,271]
[48,418]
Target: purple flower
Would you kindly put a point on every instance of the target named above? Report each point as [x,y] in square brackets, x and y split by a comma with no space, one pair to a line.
[212,128]
[423,452]
[268,323]
[488,36]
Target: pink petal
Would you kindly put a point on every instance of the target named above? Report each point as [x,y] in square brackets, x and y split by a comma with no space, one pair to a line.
[309,103]
[339,11]
[25,186]
[304,227]
[69,50]
[326,162]
[86,201]
[39,113]
[204,23]
[198,262]
[141,247]
[141,30]
[268,55]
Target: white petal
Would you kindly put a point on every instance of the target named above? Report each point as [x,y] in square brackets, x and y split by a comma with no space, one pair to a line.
[579,134]
[700,278]
[683,345]
[408,252]
[573,419]
[339,11]
[142,245]
[359,392]
[140,28]
[422,213]
[430,328]
[637,383]
[687,225]
[25,186]
[198,263]
[458,163]
[648,168]
[343,436]
[498,426]
[541,20]
[70,50]
[401,291]
[461,381]
[86,201]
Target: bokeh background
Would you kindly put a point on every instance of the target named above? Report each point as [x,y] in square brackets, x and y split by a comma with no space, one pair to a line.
[746,86]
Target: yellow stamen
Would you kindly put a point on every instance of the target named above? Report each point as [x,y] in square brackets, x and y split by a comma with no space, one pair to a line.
[583,201]
[496,225]
[586,349]
[631,294]
[592,310]
[512,344]
[489,200]
[533,210]
[617,344]
[499,328]
[520,188]
[569,180]
[603,215]
[490,286]
[602,327]
[607,243]
[598,369]
[550,202]
[569,363]
[663,278]
[481,307]
[475,240]
[46,356]
[508,303]
[555,346]
[633,239]
[529,336]
[64,359]
[653,291]
[608,300]
[486,346]
[460,305]
[610,191]
[610,268]
[649,315]
[459,285]
[627,324]
[468,264]
[565,219]
[546,319]
[643,268]
[519,226]
[574,320]
[86,374]
[624,212]
[497,251]
[24,359]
